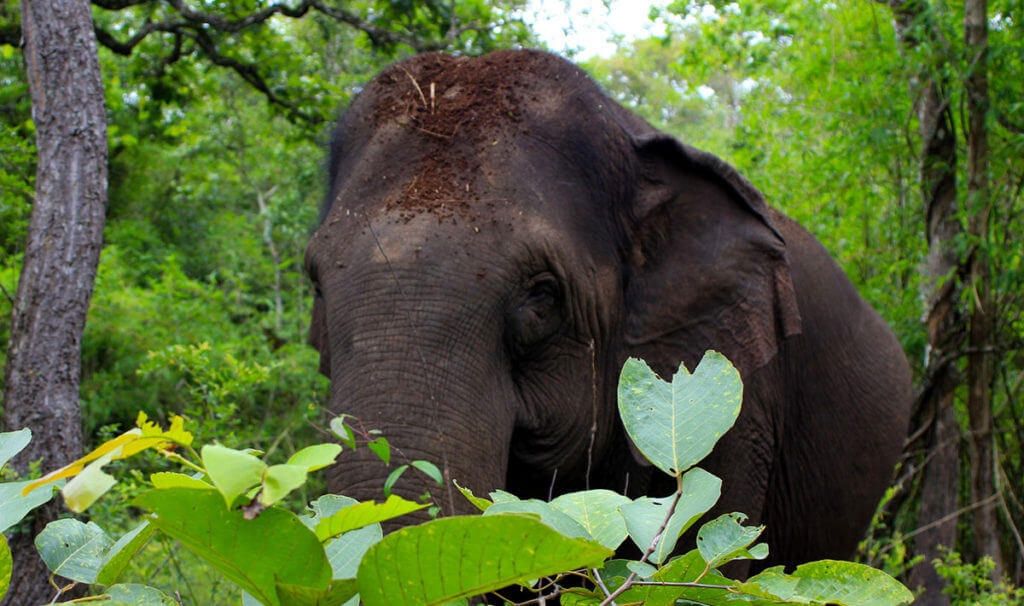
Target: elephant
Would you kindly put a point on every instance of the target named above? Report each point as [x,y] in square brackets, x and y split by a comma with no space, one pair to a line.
[499,236]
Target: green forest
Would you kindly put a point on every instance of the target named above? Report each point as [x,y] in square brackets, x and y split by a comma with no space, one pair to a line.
[892,130]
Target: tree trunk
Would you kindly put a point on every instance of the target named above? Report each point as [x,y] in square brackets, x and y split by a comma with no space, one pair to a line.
[980,368]
[941,289]
[65,234]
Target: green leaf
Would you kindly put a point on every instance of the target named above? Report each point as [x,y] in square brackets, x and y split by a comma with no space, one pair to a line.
[361,514]
[725,539]
[325,507]
[5,566]
[645,515]
[14,507]
[688,568]
[73,549]
[642,569]
[345,551]
[343,431]
[500,496]
[90,484]
[13,442]
[547,514]
[119,556]
[481,503]
[598,512]
[338,592]
[833,582]
[316,457]
[170,479]
[381,448]
[456,557]
[232,471]
[130,595]
[254,554]
[279,480]
[392,478]
[430,470]
[676,424]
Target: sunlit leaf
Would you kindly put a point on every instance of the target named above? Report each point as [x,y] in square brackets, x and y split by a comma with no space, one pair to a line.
[361,514]
[232,471]
[90,484]
[5,566]
[315,457]
[279,480]
[170,479]
[254,554]
[456,557]
[481,503]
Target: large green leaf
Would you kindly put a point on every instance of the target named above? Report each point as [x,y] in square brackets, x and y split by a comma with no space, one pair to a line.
[597,511]
[73,549]
[119,556]
[13,442]
[5,567]
[455,557]
[725,539]
[232,471]
[547,514]
[361,514]
[645,515]
[831,582]
[688,568]
[255,554]
[675,424]
[14,507]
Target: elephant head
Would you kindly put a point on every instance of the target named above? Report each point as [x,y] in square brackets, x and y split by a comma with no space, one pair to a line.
[499,236]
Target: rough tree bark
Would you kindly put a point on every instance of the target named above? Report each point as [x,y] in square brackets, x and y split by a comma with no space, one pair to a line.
[41,377]
[980,367]
[937,435]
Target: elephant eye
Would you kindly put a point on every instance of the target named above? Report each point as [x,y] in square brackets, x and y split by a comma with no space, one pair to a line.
[319,294]
[537,316]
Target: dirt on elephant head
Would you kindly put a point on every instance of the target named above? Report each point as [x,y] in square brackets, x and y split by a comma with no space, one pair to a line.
[461,106]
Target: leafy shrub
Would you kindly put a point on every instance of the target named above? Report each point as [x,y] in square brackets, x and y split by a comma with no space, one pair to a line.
[227,511]
[971,584]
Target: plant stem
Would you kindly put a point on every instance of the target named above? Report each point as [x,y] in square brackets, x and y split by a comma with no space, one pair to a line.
[631,580]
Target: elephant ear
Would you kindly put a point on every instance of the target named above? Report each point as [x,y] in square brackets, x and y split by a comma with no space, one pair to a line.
[708,266]
[318,335]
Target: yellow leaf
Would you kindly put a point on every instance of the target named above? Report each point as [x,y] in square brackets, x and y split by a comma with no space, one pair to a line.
[74,467]
[147,435]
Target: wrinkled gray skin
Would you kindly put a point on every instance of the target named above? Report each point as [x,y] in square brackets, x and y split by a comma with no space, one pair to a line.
[481,324]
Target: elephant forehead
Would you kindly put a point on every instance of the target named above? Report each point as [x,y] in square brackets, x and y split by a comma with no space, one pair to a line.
[495,233]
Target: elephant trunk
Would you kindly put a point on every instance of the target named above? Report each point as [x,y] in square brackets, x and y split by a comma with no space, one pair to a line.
[446,411]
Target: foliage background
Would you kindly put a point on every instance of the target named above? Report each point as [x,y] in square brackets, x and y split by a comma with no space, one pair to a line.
[201,304]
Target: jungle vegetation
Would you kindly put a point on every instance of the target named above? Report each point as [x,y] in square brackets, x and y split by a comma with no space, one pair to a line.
[894,131]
